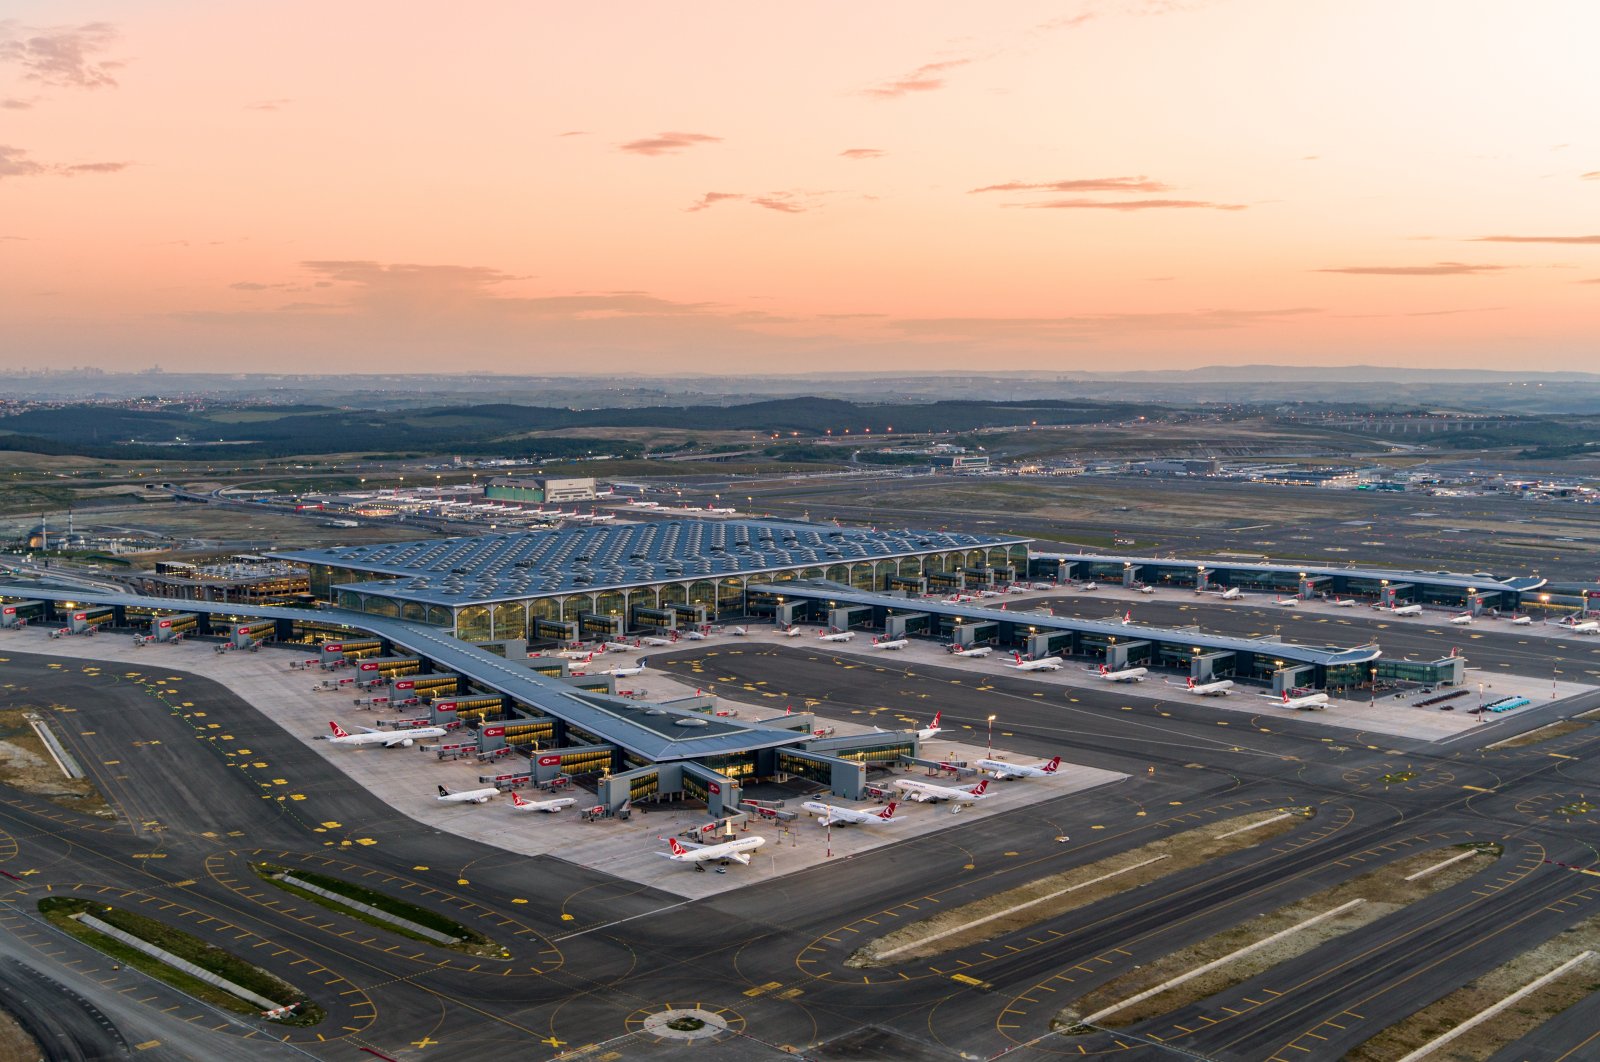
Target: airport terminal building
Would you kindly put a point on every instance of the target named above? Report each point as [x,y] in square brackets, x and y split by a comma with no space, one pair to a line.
[606,580]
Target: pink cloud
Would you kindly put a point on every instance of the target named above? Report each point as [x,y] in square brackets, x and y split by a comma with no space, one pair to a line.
[1086,184]
[668,143]
[1128,204]
[61,56]
[861,153]
[925,78]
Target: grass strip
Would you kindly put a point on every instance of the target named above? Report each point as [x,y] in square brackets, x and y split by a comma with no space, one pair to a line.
[60,909]
[1510,1025]
[1382,892]
[26,764]
[1045,898]
[1544,733]
[470,941]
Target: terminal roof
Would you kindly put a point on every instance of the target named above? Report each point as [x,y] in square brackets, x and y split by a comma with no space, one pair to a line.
[523,564]
[1462,580]
[656,732]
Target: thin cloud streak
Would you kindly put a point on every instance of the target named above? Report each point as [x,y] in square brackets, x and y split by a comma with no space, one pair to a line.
[1438,269]
[668,143]
[1087,184]
[861,153]
[1127,204]
[925,78]
[14,162]
[1537,239]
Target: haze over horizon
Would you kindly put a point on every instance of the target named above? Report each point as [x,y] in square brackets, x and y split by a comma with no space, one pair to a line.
[1090,185]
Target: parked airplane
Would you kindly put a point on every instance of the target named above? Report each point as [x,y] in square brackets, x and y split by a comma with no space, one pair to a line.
[791,632]
[1044,663]
[720,510]
[1089,586]
[618,647]
[1127,674]
[1407,610]
[575,654]
[1306,701]
[927,792]
[387,738]
[1582,627]
[1522,621]
[891,643]
[1016,588]
[1347,602]
[656,641]
[975,650]
[837,636]
[1218,688]
[1287,602]
[1232,593]
[549,806]
[1147,589]
[695,636]
[623,672]
[927,733]
[737,632]
[737,850]
[829,814]
[470,796]
[1463,620]
[1003,770]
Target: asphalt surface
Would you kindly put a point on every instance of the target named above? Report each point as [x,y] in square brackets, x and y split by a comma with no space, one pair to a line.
[205,785]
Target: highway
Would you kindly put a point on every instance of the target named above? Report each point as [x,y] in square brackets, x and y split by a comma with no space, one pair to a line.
[205,785]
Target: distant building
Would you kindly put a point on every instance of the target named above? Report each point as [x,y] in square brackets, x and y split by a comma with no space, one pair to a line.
[961,462]
[540,490]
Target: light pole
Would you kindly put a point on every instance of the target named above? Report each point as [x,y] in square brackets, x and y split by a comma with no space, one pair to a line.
[991,737]
[1374,685]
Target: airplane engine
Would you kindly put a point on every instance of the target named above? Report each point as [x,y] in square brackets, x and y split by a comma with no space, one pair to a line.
[406,744]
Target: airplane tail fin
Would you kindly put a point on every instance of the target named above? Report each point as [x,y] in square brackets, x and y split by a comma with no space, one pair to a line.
[936,716]
[1191,682]
[1104,670]
[338,731]
[1018,656]
[888,813]
[1285,696]
[443,791]
[517,801]
[981,788]
[1055,762]
[677,849]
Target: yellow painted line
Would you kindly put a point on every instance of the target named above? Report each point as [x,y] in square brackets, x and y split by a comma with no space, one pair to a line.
[1477,789]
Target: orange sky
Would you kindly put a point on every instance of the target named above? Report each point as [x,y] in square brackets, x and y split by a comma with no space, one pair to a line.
[627,187]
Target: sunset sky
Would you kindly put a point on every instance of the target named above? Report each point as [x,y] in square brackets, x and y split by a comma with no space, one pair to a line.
[530,187]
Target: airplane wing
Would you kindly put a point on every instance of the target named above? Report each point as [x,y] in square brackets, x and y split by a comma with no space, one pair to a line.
[830,818]
[741,857]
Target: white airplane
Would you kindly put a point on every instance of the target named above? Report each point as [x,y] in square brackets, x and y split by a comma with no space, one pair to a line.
[695,636]
[988,593]
[928,793]
[737,632]
[1306,701]
[837,636]
[830,814]
[891,643]
[602,518]
[791,632]
[1287,602]
[1147,589]
[623,672]
[575,654]
[618,647]
[1003,770]
[1584,627]
[1127,674]
[471,796]
[927,733]
[548,806]
[736,850]
[1347,602]
[1463,620]
[976,650]
[720,510]
[1044,663]
[1089,586]
[1407,610]
[1232,593]
[1218,688]
[387,738]
[656,641]
[1016,588]
[1522,621]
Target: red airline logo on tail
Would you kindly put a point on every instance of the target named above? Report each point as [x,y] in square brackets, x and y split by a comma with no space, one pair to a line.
[935,724]
[981,787]
[1050,768]
[516,799]
[888,812]
[677,849]
[338,731]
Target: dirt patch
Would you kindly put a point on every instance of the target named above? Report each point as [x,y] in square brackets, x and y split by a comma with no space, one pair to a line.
[1045,898]
[15,1043]
[1511,1024]
[1546,733]
[26,765]
[1383,891]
